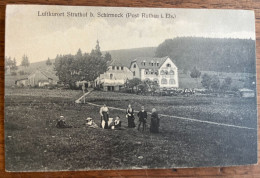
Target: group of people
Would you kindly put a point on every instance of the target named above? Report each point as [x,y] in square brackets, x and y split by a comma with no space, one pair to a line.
[110,123]
[142,115]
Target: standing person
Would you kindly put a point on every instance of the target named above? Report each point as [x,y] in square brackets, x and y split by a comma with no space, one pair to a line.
[83,88]
[142,118]
[155,122]
[104,116]
[130,116]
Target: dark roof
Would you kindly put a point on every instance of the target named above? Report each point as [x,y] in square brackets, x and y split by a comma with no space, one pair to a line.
[47,74]
[116,63]
[148,60]
[21,78]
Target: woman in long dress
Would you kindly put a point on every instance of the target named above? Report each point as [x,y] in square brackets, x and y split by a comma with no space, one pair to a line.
[155,122]
[104,116]
[130,116]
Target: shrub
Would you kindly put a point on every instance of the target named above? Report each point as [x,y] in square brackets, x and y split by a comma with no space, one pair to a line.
[13,73]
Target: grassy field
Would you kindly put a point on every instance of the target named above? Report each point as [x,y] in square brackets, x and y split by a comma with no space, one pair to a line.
[34,143]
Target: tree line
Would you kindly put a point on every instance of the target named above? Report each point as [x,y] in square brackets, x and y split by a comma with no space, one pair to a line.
[210,54]
[11,64]
[81,67]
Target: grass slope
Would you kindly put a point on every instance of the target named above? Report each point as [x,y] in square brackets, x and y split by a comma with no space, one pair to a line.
[33,143]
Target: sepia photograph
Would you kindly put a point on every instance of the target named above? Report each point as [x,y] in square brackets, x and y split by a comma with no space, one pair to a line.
[109,88]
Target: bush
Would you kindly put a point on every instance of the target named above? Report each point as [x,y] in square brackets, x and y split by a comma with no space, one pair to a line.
[97,88]
[13,73]
[235,88]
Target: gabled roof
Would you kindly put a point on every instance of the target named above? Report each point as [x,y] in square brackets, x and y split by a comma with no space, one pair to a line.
[148,60]
[116,63]
[48,74]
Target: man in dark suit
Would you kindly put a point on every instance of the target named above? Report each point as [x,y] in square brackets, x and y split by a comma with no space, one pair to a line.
[142,118]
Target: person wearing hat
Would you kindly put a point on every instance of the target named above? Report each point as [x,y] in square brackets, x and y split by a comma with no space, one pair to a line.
[91,123]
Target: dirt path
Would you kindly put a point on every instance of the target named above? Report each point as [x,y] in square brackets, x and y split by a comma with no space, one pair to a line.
[83,96]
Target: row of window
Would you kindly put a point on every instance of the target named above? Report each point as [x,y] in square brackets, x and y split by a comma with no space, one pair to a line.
[163,72]
[152,64]
[163,81]
[117,68]
[147,72]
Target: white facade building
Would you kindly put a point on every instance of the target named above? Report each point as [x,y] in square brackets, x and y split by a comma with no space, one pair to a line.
[114,78]
[160,70]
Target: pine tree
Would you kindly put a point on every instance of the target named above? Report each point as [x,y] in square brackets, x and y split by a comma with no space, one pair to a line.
[25,61]
[48,62]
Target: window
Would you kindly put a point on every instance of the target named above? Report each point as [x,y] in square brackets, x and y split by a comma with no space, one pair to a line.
[171,72]
[155,80]
[156,72]
[168,65]
[122,68]
[152,64]
[134,73]
[166,72]
[157,63]
[162,72]
[134,65]
[164,81]
[146,72]
[113,67]
[172,81]
[111,76]
[117,67]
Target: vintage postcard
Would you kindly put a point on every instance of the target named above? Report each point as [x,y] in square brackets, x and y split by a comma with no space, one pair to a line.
[94,88]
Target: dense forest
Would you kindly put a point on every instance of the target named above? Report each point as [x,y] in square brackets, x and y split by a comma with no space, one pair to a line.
[210,54]
[125,56]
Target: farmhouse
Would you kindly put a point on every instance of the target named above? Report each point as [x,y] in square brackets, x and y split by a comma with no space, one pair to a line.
[114,78]
[42,78]
[160,70]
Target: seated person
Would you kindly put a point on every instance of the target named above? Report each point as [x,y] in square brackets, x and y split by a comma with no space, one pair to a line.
[117,123]
[91,123]
[61,123]
[110,122]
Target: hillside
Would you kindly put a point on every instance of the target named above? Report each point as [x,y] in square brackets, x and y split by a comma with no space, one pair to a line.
[210,54]
[121,56]
[125,56]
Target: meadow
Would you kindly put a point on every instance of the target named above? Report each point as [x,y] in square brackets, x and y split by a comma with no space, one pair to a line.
[33,143]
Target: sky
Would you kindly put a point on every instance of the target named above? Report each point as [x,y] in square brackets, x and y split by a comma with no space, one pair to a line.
[41,37]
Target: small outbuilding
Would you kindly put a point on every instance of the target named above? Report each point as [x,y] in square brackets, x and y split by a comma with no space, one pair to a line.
[247,93]
[22,82]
